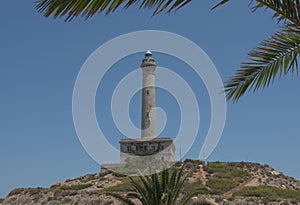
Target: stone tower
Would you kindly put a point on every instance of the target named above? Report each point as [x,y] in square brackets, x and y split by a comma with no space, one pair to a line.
[148,97]
[148,145]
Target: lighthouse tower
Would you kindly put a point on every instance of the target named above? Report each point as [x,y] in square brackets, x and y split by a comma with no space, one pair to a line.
[162,148]
[148,97]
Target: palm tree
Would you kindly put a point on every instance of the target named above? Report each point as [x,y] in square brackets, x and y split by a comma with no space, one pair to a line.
[277,55]
[162,188]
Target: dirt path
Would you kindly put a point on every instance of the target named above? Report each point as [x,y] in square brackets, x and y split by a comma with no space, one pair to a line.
[199,175]
[203,175]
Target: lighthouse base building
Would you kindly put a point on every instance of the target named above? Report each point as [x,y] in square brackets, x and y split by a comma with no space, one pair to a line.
[158,149]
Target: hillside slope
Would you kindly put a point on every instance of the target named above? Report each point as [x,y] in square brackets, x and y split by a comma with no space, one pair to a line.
[222,183]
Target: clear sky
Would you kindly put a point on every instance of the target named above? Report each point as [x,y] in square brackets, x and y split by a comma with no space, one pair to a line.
[40,59]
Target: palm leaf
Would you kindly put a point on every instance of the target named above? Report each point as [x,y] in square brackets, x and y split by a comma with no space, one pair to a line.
[124,200]
[189,195]
[276,55]
[219,4]
[87,8]
[134,195]
[179,184]
[159,188]
[142,190]
[283,9]
[156,187]
[164,178]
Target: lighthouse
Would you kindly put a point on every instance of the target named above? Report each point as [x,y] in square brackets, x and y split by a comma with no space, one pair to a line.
[148,144]
[148,118]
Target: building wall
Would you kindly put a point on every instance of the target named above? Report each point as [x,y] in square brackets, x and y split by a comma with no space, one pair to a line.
[160,150]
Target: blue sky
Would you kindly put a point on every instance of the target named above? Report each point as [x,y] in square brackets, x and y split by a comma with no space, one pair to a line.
[40,59]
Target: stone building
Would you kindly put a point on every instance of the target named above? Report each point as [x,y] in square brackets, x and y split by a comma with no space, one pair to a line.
[162,149]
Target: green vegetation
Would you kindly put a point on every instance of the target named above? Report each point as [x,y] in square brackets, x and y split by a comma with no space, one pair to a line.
[224,177]
[90,177]
[159,188]
[194,162]
[72,187]
[187,187]
[225,170]
[269,192]
[220,186]
[87,9]
[125,186]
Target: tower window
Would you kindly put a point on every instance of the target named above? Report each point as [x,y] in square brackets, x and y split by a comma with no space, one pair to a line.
[147,92]
[128,148]
[147,114]
[145,148]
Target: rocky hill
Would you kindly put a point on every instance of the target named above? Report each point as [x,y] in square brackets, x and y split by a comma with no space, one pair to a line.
[222,183]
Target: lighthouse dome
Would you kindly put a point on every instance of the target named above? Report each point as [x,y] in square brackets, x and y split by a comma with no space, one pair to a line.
[148,60]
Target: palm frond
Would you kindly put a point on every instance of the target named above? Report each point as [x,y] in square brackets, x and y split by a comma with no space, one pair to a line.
[189,195]
[276,55]
[159,188]
[179,187]
[141,189]
[156,187]
[164,178]
[219,4]
[87,8]
[119,197]
[283,9]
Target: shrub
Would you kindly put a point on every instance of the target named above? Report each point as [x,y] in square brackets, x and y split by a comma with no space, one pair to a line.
[90,177]
[225,176]
[192,186]
[189,165]
[117,174]
[225,170]
[221,185]
[125,186]
[194,162]
[270,192]
[72,187]
[16,192]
